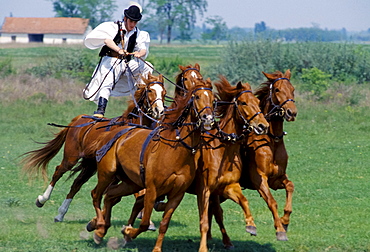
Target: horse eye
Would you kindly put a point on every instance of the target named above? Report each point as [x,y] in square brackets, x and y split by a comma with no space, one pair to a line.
[277,90]
[149,90]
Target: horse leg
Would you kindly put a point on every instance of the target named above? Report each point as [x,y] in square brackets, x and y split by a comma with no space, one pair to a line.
[104,180]
[130,232]
[138,210]
[216,210]
[81,179]
[289,189]
[203,206]
[65,166]
[234,192]
[172,204]
[264,190]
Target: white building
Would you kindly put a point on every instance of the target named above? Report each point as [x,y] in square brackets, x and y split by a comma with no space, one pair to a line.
[55,30]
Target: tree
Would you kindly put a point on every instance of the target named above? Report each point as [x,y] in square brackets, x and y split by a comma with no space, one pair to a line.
[260,27]
[218,30]
[97,11]
[177,13]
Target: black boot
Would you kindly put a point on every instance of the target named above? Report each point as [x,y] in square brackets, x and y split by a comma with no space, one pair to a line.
[102,104]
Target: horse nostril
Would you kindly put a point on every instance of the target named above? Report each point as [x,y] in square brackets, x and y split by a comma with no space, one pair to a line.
[261,126]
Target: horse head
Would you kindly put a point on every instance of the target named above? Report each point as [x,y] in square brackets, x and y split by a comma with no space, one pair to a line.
[281,95]
[203,101]
[154,95]
[183,80]
[246,105]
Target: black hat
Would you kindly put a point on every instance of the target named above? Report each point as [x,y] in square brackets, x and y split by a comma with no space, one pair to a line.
[133,13]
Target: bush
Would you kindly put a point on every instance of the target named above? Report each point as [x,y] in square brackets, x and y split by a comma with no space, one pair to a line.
[314,81]
[67,63]
[6,67]
[344,62]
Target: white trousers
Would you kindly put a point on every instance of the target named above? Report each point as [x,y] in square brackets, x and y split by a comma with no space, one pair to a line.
[112,78]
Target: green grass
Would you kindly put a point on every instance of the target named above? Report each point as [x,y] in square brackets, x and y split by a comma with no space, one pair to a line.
[328,147]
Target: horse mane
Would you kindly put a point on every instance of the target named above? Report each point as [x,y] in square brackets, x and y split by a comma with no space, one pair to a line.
[131,104]
[182,101]
[226,92]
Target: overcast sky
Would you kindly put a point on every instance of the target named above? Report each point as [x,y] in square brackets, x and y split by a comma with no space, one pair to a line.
[353,15]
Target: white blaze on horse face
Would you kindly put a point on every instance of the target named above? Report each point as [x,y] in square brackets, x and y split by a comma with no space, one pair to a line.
[159,89]
[194,75]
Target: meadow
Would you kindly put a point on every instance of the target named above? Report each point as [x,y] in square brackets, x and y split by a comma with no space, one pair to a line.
[328,146]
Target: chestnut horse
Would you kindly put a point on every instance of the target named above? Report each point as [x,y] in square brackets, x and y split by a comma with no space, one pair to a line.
[164,161]
[221,164]
[183,83]
[264,156]
[82,131]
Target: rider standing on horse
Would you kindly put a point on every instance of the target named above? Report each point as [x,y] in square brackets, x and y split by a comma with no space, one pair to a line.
[118,72]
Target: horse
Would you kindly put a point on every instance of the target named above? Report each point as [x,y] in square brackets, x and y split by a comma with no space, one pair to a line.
[264,157]
[164,161]
[183,83]
[221,165]
[82,131]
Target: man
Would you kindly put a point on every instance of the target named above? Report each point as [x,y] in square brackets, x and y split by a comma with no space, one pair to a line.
[120,68]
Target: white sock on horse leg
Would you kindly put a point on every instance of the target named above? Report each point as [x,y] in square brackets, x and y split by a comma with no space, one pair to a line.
[46,196]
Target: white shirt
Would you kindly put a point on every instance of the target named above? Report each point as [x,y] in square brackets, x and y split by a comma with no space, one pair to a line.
[95,39]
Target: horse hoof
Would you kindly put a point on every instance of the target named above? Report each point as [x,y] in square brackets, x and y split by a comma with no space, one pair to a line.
[252,230]
[97,239]
[38,203]
[152,227]
[281,236]
[125,236]
[90,227]
[229,246]
[56,219]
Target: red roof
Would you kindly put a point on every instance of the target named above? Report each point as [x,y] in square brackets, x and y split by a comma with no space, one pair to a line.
[56,25]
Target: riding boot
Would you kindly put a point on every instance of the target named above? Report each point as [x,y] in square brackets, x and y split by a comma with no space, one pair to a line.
[102,104]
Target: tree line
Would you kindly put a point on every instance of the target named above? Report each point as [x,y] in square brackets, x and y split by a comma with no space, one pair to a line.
[168,20]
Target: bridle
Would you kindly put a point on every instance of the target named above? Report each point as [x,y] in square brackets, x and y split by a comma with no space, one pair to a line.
[150,104]
[246,125]
[277,109]
[183,79]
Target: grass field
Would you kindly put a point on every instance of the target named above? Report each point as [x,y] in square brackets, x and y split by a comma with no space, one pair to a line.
[329,154]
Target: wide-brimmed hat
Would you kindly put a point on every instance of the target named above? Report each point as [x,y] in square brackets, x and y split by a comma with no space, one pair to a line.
[133,13]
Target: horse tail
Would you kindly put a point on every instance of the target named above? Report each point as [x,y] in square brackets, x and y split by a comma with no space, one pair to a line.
[36,161]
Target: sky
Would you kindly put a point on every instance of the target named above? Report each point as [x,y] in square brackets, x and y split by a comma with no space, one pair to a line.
[353,15]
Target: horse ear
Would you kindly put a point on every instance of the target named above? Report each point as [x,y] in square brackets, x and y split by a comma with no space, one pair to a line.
[239,85]
[268,76]
[287,74]
[197,66]
[208,80]
[182,68]
[160,78]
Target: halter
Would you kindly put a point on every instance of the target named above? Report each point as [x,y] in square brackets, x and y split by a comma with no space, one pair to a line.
[277,109]
[246,126]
